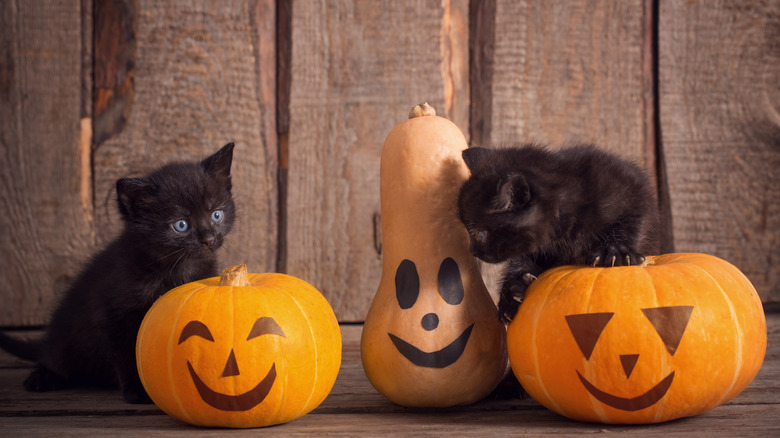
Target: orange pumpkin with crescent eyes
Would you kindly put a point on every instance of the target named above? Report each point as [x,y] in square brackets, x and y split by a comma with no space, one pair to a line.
[240,350]
[638,344]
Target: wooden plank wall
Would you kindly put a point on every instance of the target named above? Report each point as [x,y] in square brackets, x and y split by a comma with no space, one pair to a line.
[93,91]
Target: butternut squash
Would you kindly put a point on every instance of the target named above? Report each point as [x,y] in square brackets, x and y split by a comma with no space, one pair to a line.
[431,336]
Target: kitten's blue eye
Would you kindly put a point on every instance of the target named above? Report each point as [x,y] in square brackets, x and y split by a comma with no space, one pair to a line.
[181,226]
[217,216]
[481,235]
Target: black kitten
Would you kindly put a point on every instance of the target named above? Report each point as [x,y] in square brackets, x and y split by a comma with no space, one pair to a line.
[540,209]
[174,221]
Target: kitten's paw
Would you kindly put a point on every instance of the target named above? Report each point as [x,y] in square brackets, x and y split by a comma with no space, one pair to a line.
[528,278]
[617,255]
[512,295]
[43,380]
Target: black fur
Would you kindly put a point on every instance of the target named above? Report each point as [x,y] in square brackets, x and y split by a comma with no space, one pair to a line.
[539,208]
[90,340]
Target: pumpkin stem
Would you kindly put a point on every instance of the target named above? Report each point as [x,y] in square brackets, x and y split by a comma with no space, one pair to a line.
[235,276]
[421,110]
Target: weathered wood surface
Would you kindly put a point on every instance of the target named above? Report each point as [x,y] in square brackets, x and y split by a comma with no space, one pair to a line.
[354,408]
[719,94]
[357,69]
[45,181]
[570,71]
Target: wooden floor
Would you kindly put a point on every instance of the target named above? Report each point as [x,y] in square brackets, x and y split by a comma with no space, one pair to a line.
[354,408]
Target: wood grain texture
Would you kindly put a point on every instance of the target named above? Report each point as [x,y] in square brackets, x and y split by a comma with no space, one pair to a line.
[720,121]
[45,131]
[570,71]
[205,75]
[357,69]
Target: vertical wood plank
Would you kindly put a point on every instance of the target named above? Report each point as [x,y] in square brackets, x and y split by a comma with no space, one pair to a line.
[719,105]
[357,68]
[45,130]
[570,71]
[204,74]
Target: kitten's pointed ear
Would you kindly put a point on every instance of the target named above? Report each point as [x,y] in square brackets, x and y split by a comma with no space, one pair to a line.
[475,155]
[219,163]
[512,193]
[131,195]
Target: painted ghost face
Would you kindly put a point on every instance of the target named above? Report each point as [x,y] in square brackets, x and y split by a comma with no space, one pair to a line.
[670,324]
[407,286]
[227,402]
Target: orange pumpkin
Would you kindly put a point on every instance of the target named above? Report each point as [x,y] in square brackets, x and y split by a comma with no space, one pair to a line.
[240,350]
[431,336]
[639,344]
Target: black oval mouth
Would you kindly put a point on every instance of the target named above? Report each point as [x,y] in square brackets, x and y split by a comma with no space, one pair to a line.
[649,398]
[241,402]
[435,359]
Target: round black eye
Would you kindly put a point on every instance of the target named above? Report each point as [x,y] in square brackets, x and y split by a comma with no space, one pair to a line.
[407,284]
[450,284]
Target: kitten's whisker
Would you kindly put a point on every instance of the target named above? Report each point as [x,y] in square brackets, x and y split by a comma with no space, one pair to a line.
[171,254]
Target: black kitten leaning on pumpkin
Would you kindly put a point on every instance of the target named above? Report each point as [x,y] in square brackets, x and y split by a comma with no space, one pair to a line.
[537,209]
[175,219]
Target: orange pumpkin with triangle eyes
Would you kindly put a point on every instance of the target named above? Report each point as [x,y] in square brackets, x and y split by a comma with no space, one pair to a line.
[240,350]
[639,344]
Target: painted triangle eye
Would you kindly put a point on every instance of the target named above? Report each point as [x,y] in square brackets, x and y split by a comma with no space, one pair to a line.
[586,329]
[670,323]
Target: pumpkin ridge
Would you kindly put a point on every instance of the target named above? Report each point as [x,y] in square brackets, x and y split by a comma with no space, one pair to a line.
[738,338]
[305,405]
[660,404]
[172,343]
[596,406]
[535,353]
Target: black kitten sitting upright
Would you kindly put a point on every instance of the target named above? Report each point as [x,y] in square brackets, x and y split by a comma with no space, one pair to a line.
[540,209]
[174,221]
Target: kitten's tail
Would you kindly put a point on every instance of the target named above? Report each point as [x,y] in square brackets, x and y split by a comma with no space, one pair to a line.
[23,349]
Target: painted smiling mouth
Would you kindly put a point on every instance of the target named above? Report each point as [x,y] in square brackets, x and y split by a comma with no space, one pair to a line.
[241,402]
[435,359]
[645,400]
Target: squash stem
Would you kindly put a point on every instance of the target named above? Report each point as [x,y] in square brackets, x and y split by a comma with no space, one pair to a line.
[422,110]
[235,276]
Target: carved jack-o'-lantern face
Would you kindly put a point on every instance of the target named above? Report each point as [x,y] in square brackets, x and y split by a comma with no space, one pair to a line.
[669,322]
[261,351]
[233,402]
[407,286]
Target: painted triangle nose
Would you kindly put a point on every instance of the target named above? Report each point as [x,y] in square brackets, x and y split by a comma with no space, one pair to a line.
[231,367]
[628,361]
